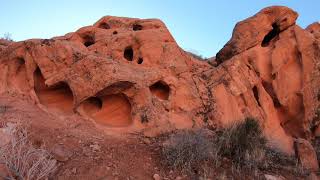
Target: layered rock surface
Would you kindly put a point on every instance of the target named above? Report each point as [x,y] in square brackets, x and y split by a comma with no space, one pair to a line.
[129,75]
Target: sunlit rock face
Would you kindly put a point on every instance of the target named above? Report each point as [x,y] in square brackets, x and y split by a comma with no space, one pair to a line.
[129,75]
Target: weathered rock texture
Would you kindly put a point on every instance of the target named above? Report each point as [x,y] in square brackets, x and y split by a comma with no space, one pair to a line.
[129,75]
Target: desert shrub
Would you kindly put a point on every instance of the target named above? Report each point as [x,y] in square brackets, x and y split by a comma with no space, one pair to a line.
[7,36]
[243,143]
[196,56]
[23,160]
[187,151]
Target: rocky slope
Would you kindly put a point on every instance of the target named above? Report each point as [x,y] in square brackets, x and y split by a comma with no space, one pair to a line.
[128,75]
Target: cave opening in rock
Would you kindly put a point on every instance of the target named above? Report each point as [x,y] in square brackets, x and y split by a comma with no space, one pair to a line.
[88,40]
[140,60]
[92,105]
[19,78]
[137,27]
[256,94]
[115,32]
[161,90]
[271,35]
[128,53]
[104,25]
[57,98]
[109,110]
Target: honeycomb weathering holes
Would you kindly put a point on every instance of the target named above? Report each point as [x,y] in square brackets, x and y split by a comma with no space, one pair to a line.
[58,98]
[140,61]
[88,40]
[137,27]
[161,90]
[128,53]
[104,25]
[109,110]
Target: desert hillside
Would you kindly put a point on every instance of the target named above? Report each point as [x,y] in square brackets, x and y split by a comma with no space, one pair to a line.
[120,99]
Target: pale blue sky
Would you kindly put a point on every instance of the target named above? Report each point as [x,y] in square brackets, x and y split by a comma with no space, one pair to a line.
[200,26]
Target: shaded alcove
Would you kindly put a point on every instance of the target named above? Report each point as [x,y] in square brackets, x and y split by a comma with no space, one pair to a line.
[161,90]
[19,78]
[58,98]
[137,27]
[140,61]
[128,53]
[256,94]
[110,110]
[88,40]
[271,35]
[104,25]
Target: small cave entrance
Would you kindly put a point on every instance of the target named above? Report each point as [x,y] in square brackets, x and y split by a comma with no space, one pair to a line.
[109,110]
[88,40]
[161,90]
[256,94]
[137,27]
[128,53]
[115,32]
[271,35]
[19,78]
[58,98]
[104,25]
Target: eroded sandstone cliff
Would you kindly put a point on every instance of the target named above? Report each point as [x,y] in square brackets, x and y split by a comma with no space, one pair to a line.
[129,75]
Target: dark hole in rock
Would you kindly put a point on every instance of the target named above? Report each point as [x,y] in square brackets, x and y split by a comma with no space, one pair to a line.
[19,78]
[271,35]
[269,88]
[88,40]
[128,53]
[140,60]
[58,98]
[137,27]
[110,110]
[104,25]
[161,90]
[256,94]
[115,32]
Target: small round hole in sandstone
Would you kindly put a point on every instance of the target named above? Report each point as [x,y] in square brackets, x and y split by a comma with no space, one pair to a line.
[140,60]
[109,110]
[58,98]
[88,40]
[104,26]
[128,53]
[161,90]
[115,32]
[137,27]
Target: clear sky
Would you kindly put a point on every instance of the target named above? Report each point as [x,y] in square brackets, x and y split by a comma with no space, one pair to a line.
[200,26]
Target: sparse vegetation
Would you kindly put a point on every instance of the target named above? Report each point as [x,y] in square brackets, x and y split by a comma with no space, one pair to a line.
[243,143]
[187,151]
[7,36]
[24,161]
[196,56]
[242,146]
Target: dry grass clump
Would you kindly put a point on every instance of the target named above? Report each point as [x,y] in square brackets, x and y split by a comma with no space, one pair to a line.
[243,143]
[23,160]
[187,151]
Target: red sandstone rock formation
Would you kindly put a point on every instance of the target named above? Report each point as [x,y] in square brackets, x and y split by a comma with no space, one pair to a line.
[129,75]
